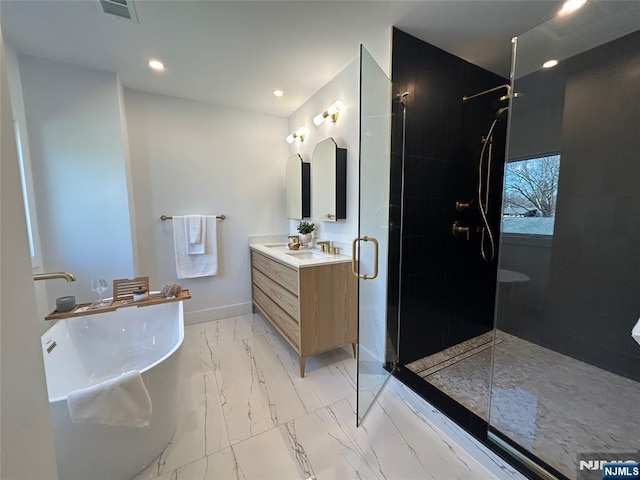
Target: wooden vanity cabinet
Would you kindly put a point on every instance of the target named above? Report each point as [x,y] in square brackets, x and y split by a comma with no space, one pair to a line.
[314,308]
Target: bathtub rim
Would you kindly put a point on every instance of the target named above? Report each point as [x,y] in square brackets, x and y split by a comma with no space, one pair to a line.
[63,398]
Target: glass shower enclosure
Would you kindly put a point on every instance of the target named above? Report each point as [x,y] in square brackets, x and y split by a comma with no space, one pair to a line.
[565,376]
[380,107]
[555,384]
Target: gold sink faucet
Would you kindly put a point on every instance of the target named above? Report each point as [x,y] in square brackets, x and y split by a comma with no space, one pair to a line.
[325,246]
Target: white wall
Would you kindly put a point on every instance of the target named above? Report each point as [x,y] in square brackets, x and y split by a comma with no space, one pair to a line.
[346,132]
[26,438]
[379,47]
[19,116]
[79,171]
[345,87]
[194,158]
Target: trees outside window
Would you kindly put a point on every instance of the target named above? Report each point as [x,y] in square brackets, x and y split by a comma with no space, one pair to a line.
[531,190]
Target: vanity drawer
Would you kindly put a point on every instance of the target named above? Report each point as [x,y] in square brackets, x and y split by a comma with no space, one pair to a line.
[283,322]
[260,262]
[285,276]
[280,295]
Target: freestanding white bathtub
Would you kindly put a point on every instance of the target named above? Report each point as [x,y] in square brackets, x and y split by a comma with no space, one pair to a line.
[82,351]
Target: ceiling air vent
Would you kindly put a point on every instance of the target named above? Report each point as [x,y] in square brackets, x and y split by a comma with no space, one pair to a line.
[120,8]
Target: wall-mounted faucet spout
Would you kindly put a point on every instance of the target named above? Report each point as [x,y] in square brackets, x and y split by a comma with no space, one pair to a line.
[69,277]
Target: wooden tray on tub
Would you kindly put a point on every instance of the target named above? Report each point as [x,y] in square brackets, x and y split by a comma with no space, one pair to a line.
[125,301]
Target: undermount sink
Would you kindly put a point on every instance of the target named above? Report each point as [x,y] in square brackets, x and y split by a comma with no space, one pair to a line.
[274,245]
[305,255]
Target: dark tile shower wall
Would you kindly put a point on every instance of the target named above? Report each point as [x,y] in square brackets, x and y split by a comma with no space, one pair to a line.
[395,219]
[594,298]
[447,290]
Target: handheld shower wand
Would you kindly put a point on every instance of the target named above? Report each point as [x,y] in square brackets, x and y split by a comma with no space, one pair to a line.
[489,255]
[484,208]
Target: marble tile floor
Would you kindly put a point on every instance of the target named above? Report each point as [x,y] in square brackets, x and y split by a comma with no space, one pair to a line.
[245,413]
[549,403]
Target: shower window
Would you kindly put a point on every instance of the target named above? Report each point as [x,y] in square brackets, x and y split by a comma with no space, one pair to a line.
[28,196]
[530,193]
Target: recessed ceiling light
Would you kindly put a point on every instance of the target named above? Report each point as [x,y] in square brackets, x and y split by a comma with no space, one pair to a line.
[550,64]
[278,93]
[571,6]
[156,65]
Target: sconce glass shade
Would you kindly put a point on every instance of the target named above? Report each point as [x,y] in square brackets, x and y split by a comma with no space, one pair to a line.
[331,112]
[299,133]
[319,119]
[335,108]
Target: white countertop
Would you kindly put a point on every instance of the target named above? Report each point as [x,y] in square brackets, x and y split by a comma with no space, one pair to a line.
[301,258]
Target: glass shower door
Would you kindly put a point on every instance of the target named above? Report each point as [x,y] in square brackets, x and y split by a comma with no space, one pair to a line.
[565,385]
[372,245]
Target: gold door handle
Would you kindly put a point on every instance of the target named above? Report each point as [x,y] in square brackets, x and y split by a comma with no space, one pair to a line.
[330,215]
[354,270]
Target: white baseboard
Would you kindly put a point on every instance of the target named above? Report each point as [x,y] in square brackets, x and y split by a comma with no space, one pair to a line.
[191,318]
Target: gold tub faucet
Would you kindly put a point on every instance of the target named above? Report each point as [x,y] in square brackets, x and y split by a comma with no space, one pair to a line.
[69,277]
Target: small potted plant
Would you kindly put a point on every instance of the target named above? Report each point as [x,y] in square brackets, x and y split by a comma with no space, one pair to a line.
[305,229]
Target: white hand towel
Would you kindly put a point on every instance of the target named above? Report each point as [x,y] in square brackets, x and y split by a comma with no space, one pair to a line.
[196,233]
[195,228]
[122,401]
[192,266]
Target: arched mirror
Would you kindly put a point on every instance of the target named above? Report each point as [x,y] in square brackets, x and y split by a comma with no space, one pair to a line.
[329,168]
[298,179]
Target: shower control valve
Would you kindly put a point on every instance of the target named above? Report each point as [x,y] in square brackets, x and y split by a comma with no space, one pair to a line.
[459,231]
[460,206]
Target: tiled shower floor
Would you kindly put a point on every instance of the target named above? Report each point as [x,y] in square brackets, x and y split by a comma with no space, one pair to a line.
[551,404]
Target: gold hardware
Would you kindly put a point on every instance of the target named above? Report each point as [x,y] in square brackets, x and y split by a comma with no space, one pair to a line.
[463,205]
[69,277]
[169,217]
[335,250]
[364,276]
[353,257]
[325,245]
[458,231]
[294,238]
[330,215]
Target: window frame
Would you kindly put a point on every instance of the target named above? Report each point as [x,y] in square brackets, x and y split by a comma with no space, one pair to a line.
[525,235]
[28,198]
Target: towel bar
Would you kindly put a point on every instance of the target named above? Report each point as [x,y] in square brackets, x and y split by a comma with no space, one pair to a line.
[169,217]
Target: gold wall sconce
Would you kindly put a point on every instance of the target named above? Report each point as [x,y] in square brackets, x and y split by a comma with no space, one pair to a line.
[299,134]
[330,113]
